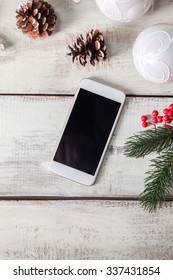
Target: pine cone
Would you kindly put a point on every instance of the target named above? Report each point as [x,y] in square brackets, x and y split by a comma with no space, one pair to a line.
[93,48]
[36,18]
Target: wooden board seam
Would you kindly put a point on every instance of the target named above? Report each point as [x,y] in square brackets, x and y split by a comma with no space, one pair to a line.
[71,95]
[58,198]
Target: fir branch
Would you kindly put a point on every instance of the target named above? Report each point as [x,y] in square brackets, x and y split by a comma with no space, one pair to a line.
[159,182]
[151,140]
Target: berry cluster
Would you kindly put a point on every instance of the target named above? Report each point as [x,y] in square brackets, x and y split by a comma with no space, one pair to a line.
[167,117]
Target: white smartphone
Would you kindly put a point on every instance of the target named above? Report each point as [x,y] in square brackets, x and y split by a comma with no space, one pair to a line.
[87,132]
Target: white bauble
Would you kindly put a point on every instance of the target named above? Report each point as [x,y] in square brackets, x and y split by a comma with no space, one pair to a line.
[124,10]
[153,53]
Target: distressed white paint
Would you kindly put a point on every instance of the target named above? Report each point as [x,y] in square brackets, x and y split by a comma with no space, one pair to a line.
[84,230]
[29,130]
[29,66]
[30,126]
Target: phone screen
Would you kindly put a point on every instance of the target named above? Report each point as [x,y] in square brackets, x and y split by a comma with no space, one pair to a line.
[87,131]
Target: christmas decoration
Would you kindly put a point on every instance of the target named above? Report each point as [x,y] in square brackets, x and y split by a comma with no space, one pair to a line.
[36,18]
[153,53]
[124,10]
[92,48]
[155,118]
[159,180]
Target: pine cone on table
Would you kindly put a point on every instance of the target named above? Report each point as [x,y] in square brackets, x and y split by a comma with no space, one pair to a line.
[93,48]
[36,18]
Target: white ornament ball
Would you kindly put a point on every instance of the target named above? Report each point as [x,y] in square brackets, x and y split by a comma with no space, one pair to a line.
[153,53]
[124,10]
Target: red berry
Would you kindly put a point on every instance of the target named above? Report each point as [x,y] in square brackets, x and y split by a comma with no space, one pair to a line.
[171,107]
[144,118]
[165,118]
[160,119]
[155,113]
[170,113]
[169,121]
[144,124]
[154,120]
[165,111]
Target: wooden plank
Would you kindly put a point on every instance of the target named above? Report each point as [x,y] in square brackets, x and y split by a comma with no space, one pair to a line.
[84,230]
[29,130]
[35,66]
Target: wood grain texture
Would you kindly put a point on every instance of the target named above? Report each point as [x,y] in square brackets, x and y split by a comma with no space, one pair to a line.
[84,230]
[29,130]
[35,66]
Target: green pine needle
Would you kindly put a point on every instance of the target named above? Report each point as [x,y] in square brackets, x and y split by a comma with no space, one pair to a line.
[151,140]
[159,182]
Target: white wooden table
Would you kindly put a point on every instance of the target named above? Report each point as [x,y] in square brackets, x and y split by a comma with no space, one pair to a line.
[43,216]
